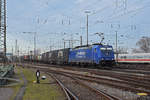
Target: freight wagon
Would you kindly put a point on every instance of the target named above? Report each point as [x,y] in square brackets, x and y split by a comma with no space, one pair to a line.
[56,56]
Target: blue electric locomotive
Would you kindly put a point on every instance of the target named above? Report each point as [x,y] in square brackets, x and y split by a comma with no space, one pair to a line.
[96,54]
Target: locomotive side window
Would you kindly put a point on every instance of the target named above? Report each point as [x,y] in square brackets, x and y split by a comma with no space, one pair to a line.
[138,57]
[106,51]
[146,57]
[129,57]
[123,57]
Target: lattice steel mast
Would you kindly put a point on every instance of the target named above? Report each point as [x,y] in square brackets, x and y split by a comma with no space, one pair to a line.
[3,29]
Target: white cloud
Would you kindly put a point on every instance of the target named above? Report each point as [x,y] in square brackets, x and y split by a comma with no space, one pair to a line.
[80,1]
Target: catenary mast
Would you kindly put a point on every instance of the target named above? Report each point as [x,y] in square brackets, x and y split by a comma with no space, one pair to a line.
[3,29]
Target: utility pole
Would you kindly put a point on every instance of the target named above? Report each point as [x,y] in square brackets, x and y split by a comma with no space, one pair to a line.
[116,4]
[28,50]
[12,54]
[18,54]
[87,25]
[80,40]
[71,40]
[87,29]
[3,29]
[50,48]
[116,46]
[50,45]
[34,35]
[16,46]
[16,50]
[64,44]
[35,45]
[69,43]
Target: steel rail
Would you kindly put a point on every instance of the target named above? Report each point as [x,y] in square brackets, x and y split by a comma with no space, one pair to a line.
[71,96]
[93,79]
[106,96]
[68,93]
[146,86]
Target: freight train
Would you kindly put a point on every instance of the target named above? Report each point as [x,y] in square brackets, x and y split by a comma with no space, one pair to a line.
[95,54]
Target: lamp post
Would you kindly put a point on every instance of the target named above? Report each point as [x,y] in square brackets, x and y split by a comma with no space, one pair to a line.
[87,25]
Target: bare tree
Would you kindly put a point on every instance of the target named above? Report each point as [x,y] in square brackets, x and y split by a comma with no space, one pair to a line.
[136,51]
[144,45]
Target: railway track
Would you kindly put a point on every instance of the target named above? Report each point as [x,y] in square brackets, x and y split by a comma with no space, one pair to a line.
[68,93]
[102,95]
[115,83]
[136,68]
[123,83]
[141,81]
[129,71]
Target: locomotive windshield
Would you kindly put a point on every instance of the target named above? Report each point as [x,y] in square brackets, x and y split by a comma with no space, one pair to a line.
[106,51]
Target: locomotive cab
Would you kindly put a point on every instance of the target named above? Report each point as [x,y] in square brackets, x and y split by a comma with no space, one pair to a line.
[103,55]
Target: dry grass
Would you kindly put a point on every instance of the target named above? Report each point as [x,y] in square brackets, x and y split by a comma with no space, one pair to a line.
[41,91]
[17,87]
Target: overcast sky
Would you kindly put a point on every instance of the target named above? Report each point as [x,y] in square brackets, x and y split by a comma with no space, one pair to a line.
[52,18]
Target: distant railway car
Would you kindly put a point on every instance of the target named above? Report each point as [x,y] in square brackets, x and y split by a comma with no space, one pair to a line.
[134,58]
[94,54]
[27,58]
[39,57]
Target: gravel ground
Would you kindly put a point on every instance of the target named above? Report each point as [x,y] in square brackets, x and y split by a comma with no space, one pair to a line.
[81,92]
[5,93]
[124,95]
